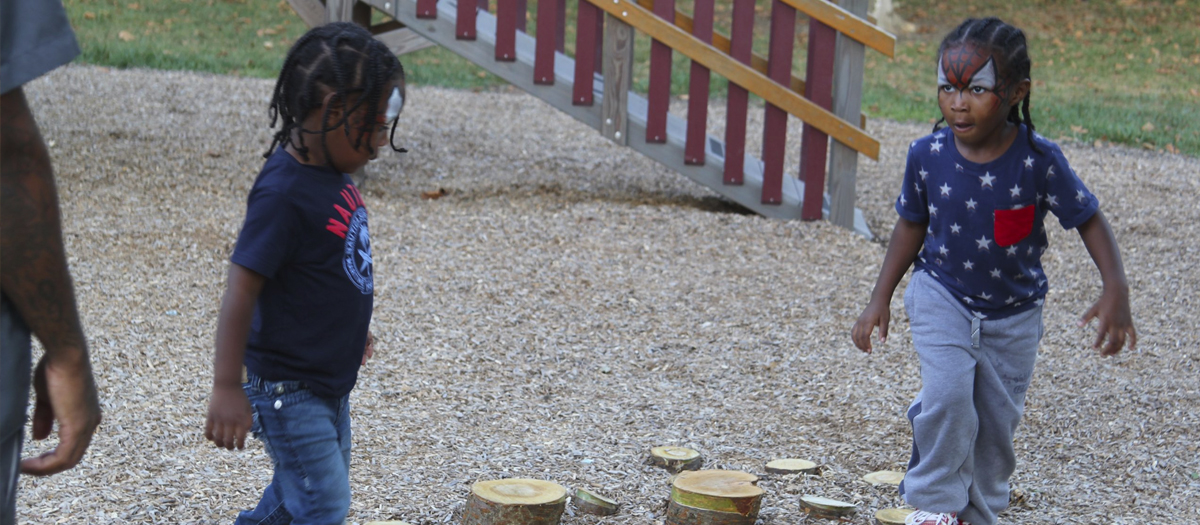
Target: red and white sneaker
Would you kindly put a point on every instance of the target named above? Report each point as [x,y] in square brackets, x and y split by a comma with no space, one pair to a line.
[922,517]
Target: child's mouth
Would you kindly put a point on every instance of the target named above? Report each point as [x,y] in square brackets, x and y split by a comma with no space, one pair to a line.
[962,127]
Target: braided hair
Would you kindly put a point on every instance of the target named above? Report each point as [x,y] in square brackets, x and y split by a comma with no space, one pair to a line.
[340,58]
[1007,43]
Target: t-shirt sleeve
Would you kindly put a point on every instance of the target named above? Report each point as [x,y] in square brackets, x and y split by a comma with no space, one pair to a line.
[1068,197]
[912,204]
[267,238]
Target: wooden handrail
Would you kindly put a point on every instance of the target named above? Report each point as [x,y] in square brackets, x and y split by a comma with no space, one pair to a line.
[848,24]
[740,74]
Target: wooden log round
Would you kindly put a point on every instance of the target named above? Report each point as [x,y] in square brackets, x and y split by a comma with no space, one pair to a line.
[676,459]
[821,507]
[589,502]
[515,501]
[714,497]
[892,516]
[884,477]
[791,466]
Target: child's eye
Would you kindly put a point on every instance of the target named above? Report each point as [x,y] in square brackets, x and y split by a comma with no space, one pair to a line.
[978,90]
[946,88]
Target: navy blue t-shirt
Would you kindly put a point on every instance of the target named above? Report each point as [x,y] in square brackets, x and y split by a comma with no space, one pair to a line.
[986,234]
[306,232]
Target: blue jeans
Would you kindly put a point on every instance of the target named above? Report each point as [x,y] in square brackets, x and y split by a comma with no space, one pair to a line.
[308,439]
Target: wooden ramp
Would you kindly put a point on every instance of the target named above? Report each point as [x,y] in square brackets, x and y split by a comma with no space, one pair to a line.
[594,85]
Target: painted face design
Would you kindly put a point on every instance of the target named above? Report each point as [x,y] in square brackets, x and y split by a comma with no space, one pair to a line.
[966,68]
[395,104]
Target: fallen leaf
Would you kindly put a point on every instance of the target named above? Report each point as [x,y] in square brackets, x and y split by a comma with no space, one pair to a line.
[1079,129]
[434,195]
[481,74]
[1148,127]
[126,36]
[212,153]
[89,15]
[134,6]
[268,45]
[1171,149]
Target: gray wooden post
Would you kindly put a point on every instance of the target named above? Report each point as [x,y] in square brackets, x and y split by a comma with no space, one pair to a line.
[618,77]
[847,104]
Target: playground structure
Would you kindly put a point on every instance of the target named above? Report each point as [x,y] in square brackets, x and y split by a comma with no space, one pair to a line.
[594,86]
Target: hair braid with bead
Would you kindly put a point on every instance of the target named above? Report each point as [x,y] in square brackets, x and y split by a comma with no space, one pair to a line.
[1007,43]
[339,58]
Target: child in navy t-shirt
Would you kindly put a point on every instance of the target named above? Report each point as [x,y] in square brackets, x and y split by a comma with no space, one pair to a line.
[297,308]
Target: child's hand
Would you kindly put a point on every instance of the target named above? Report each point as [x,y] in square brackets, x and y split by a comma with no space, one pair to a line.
[1116,322]
[873,315]
[369,351]
[229,417]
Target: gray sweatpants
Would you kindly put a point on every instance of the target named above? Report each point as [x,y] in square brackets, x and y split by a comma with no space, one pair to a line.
[971,400]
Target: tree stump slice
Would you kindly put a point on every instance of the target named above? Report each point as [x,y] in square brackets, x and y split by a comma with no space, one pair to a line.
[884,477]
[820,507]
[591,503]
[515,502]
[791,466]
[675,459]
[892,516]
[714,497]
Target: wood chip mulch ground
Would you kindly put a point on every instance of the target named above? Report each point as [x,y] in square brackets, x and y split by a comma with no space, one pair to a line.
[565,305]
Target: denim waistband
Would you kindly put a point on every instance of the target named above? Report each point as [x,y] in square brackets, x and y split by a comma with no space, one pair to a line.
[257,383]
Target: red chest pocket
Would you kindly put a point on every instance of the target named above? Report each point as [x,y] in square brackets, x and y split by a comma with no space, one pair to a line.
[1014,225]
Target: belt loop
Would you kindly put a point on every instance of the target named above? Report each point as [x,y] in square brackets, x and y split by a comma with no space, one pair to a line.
[975,332]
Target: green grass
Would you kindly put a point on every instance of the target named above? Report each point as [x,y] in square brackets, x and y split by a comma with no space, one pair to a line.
[1123,71]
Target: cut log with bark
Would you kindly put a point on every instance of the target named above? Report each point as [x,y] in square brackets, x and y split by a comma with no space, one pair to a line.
[676,459]
[892,516]
[822,507]
[884,477]
[515,502]
[714,497]
[589,502]
[791,466]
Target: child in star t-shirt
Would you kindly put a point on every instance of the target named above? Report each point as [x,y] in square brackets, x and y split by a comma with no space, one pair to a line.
[971,208]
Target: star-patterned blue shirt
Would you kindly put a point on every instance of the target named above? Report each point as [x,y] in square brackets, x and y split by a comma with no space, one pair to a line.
[961,201]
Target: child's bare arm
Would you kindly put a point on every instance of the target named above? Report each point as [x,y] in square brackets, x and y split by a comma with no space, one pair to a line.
[229,416]
[903,247]
[369,351]
[1112,309]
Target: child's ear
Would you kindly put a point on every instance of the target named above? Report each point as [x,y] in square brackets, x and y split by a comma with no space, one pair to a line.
[1019,92]
[334,106]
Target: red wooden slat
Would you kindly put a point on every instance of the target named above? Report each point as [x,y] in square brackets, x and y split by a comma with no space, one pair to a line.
[561,32]
[658,97]
[779,69]
[818,87]
[464,27]
[522,12]
[599,48]
[702,28]
[506,30]
[426,8]
[543,62]
[587,42]
[741,38]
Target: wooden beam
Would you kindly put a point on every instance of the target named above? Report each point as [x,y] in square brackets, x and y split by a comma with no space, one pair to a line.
[842,176]
[848,24]
[404,40]
[312,12]
[618,77]
[740,74]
